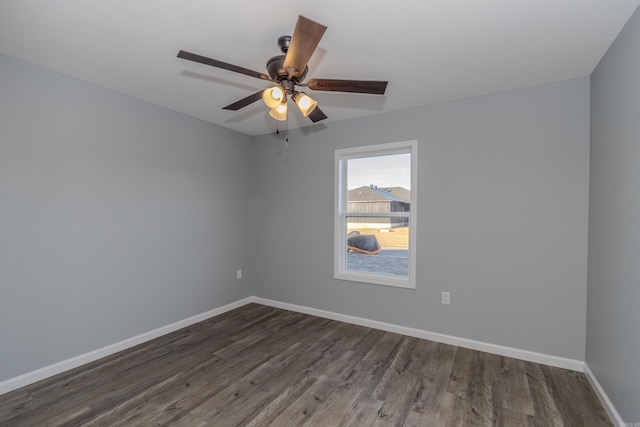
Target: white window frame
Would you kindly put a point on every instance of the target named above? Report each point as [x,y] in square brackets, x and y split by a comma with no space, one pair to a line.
[340,213]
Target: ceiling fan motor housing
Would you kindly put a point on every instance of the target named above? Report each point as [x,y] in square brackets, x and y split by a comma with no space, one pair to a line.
[277,72]
[289,86]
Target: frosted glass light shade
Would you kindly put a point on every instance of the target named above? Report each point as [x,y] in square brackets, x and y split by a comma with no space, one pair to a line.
[273,96]
[279,112]
[305,103]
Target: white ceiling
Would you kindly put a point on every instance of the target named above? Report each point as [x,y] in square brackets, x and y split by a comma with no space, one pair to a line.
[430,51]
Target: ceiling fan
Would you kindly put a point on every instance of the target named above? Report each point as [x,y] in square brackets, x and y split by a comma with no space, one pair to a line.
[288,71]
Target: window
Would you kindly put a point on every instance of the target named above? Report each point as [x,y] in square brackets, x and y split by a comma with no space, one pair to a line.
[375,208]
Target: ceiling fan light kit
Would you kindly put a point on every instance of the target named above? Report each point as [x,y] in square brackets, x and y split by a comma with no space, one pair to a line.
[288,71]
[276,99]
[279,112]
[273,96]
[305,103]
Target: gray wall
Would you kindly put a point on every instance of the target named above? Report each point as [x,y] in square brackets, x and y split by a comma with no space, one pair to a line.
[613,315]
[502,221]
[117,217]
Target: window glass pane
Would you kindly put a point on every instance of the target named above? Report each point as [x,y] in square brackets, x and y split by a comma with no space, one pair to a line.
[381,249]
[375,207]
[389,189]
[392,170]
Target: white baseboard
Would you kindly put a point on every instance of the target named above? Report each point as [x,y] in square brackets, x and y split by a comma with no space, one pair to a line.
[65,365]
[545,359]
[604,399]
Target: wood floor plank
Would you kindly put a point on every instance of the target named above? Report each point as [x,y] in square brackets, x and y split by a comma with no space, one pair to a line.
[361,380]
[471,406]
[281,403]
[495,377]
[298,359]
[401,379]
[116,411]
[367,341]
[152,378]
[566,386]
[173,405]
[251,339]
[544,407]
[302,409]
[250,393]
[430,396]
[187,421]
[439,414]
[260,366]
[515,419]
[365,411]
[517,396]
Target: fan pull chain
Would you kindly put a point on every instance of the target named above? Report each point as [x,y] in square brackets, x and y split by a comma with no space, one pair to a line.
[286,138]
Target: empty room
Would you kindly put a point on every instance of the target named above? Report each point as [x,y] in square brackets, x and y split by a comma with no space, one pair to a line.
[291,213]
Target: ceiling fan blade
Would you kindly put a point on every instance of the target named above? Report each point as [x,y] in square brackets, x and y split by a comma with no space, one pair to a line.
[375,87]
[215,63]
[244,102]
[304,41]
[316,115]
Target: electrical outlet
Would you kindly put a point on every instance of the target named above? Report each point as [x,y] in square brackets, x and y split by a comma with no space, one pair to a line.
[238,274]
[446,298]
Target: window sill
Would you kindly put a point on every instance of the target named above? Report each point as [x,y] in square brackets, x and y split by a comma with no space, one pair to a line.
[376,279]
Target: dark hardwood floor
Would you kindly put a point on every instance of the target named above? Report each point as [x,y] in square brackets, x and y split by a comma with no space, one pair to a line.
[259,366]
